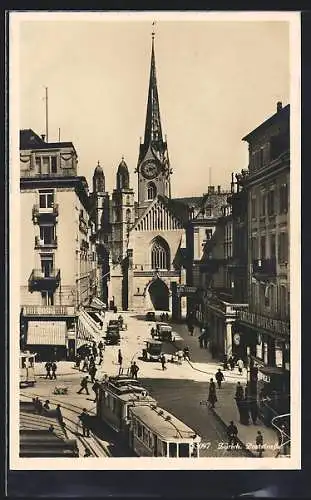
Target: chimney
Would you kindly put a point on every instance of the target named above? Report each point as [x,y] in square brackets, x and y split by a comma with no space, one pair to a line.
[219,189]
[278,106]
[211,189]
[43,137]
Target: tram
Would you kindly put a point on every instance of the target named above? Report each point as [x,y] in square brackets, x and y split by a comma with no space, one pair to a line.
[149,431]
[27,368]
[156,433]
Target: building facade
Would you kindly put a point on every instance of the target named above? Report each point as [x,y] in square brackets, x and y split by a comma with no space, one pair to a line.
[264,329]
[58,261]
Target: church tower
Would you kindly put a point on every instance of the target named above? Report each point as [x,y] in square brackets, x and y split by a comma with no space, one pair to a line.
[123,216]
[153,166]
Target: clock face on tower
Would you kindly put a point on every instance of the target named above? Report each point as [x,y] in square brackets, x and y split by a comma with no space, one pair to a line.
[150,169]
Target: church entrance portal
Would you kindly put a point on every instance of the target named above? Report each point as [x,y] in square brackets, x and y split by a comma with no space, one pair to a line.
[159,295]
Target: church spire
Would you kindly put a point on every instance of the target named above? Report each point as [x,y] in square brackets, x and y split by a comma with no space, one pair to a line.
[153,129]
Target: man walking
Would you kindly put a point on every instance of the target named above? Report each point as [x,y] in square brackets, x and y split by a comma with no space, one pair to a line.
[232,433]
[48,367]
[219,378]
[134,370]
[212,398]
[120,358]
[163,361]
[83,418]
[83,384]
[101,357]
[239,394]
[54,368]
[240,365]
[259,443]
[92,372]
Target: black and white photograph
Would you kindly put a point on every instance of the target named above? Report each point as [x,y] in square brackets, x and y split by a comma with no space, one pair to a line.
[154,222]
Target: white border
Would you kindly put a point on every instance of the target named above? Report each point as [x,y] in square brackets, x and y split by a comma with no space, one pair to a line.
[17,463]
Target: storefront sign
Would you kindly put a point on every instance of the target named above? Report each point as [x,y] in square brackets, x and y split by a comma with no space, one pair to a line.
[270,324]
[236,338]
[186,290]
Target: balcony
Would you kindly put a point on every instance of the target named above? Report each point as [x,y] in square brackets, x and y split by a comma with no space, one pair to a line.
[83,225]
[46,213]
[63,172]
[264,268]
[42,244]
[48,310]
[277,326]
[149,272]
[44,280]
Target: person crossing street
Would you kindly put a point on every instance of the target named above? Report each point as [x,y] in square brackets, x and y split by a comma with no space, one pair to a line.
[219,376]
[83,384]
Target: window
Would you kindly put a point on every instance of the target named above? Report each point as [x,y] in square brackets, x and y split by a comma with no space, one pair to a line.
[173,450]
[283,247]
[47,234]
[38,164]
[139,430]
[253,208]
[46,199]
[262,247]
[263,205]
[45,165]
[47,298]
[272,246]
[53,164]
[128,216]
[208,234]
[183,450]
[159,255]
[151,191]
[271,203]
[283,198]
[208,211]
[47,265]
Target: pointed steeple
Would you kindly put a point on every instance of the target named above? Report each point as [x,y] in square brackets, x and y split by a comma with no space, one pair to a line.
[153,129]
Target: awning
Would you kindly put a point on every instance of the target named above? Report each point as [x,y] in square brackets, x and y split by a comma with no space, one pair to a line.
[46,333]
[97,304]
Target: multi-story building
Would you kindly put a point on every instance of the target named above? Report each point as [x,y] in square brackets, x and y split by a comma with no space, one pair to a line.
[265,329]
[58,261]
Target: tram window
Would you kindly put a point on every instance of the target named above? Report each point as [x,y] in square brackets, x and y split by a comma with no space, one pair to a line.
[195,450]
[183,450]
[163,448]
[139,430]
[145,435]
[173,450]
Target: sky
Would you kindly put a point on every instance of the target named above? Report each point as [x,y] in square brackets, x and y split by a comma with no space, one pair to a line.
[217,81]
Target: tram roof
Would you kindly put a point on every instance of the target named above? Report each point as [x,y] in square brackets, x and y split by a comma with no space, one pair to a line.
[158,423]
[137,398]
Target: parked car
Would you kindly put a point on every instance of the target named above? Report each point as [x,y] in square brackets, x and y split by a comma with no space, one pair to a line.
[113,333]
[164,332]
[150,316]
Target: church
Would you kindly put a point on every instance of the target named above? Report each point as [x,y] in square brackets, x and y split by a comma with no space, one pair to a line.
[144,246]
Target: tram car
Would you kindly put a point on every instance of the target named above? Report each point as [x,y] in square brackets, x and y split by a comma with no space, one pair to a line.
[114,398]
[156,433]
[149,431]
[27,369]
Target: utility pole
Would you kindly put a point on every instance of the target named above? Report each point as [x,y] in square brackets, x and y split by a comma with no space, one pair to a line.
[46,115]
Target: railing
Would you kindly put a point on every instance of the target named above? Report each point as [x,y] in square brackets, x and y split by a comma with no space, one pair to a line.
[152,272]
[277,326]
[63,172]
[38,274]
[37,211]
[41,243]
[265,267]
[48,310]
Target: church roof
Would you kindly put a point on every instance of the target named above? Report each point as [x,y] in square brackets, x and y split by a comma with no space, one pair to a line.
[190,201]
[153,129]
[179,209]
[98,170]
[122,166]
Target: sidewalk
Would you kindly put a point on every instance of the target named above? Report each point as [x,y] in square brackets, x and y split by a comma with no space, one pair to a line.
[63,368]
[226,410]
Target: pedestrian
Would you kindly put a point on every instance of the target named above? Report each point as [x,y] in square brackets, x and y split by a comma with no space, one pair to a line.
[231,362]
[95,389]
[205,341]
[180,356]
[87,453]
[163,362]
[253,410]
[219,376]
[120,358]
[92,372]
[85,365]
[51,428]
[83,384]
[100,346]
[46,405]
[101,357]
[212,398]
[94,352]
[225,361]
[84,421]
[244,410]
[59,415]
[48,367]
[191,329]
[201,341]
[134,370]
[54,368]
[186,353]
[232,433]
[239,394]
[259,443]
[152,331]
[240,364]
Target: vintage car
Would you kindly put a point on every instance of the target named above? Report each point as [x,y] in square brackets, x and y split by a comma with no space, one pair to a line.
[150,316]
[163,332]
[113,333]
[152,351]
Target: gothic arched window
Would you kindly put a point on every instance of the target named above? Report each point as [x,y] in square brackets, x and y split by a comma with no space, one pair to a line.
[151,191]
[128,216]
[160,254]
